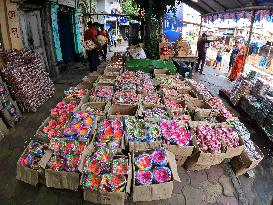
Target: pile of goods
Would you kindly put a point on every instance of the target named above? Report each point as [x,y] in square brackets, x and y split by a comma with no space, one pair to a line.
[253,93]
[141,130]
[207,139]
[32,155]
[98,140]
[59,117]
[103,93]
[182,48]
[66,154]
[109,134]
[105,172]
[155,113]
[152,168]
[80,126]
[29,82]
[175,133]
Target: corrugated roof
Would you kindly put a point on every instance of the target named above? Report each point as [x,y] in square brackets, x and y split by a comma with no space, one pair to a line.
[211,6]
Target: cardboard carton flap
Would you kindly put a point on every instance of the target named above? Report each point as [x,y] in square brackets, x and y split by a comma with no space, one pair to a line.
[88,150]
[130,173]
[42,163]
[173,165]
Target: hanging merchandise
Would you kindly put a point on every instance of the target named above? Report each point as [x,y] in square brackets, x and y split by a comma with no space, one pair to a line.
[29,82]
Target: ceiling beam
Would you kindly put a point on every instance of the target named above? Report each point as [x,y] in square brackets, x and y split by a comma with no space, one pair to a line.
[219,3]
[195,6]
[239,3]
[207,5]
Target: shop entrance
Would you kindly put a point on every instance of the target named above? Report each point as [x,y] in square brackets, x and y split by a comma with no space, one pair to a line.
[65,19]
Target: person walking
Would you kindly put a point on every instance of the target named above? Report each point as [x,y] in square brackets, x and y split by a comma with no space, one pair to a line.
[104,33]
[91,34]
[234,52]
[202,45]
[238,64]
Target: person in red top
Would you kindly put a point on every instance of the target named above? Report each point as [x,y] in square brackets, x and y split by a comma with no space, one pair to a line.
[104,33]
[93,55]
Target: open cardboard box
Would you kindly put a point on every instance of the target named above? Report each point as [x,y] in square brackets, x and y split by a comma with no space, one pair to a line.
[90,79]
[205,158]
[199,108]
[243,163]
[141,98]
[122,111]
[103,105]
[113,198]
[98,99]
[161,73]
[28,175]
[230,151]
[155,191]
[40,134]
[59,179]
[181,153]
[142,109]
[191,163]
[105,81]
[180,102]
[85,85]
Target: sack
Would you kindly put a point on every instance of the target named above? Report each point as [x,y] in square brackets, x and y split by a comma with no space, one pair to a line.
[89,45]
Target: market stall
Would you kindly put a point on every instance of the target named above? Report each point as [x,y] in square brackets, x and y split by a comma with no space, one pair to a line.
[124,132]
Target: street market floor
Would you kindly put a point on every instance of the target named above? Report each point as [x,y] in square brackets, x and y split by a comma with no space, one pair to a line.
[217,185]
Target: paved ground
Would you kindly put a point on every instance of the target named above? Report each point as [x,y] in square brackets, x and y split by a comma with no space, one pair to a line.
[214,186]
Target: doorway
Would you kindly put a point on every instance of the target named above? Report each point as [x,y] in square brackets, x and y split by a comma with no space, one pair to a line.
[66,34]
[32,35]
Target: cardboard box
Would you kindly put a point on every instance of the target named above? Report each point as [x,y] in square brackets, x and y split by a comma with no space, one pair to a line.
[122,111]
[85,85]
[199,108]
[142,109]
[40,133]
[113,198]
[59,179]
[97,99]
[90,79]
[159,72]
[103,105]
[191,163]
[180,102]
[155,191]
[243,163]
[3,127]
[105,81]
[205,158]
[181,153]
[31,176]
[230,151]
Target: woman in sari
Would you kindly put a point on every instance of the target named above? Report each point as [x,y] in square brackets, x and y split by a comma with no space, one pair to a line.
[238,64]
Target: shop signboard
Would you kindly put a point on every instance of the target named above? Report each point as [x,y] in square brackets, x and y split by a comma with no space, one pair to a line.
[70,3]
[265,2]
[172,25]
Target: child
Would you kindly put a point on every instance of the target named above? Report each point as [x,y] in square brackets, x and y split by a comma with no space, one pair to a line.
[219,58]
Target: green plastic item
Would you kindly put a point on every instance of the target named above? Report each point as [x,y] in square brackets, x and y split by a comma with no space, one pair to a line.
[148,66]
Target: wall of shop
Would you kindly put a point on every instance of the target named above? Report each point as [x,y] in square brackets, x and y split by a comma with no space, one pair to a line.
[9,23]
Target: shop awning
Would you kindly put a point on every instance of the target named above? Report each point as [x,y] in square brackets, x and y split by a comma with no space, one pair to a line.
[217,6]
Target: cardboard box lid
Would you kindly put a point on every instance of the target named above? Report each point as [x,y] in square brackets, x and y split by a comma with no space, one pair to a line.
[173,166]
[42,163]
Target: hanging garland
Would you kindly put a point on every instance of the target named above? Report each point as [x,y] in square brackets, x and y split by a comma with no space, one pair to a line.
[266,14]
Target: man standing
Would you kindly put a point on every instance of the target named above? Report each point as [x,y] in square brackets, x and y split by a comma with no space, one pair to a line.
[104,33]
[91,34]
[202,45]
